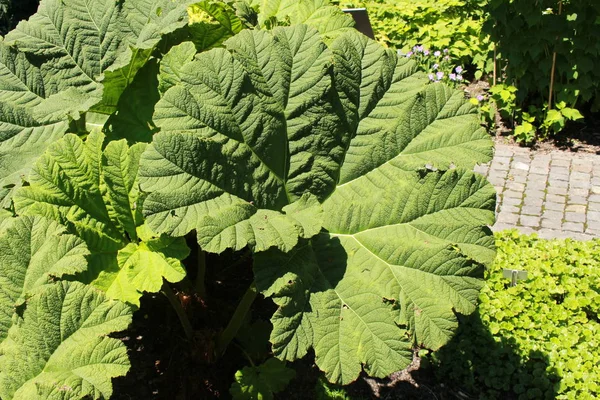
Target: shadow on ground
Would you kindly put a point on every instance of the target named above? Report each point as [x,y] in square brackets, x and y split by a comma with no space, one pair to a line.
[477,365]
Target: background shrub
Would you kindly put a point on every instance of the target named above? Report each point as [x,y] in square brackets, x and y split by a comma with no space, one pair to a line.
[527,33]
[451,24]
[536,340]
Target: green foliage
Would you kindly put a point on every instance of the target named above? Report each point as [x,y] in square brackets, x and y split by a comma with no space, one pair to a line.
[548,325]
[528,33]
[335,162]
[326,391]
[60,347]
[320,142]
[95,193]
[438,65]
[261,382]
[452,24]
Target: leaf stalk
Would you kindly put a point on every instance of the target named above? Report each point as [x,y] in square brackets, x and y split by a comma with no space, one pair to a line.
[176,304]
[236,320]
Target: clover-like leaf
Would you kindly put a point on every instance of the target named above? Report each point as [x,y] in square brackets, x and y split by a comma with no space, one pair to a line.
[60,348]
[96,195]
[34,250]
[261,382]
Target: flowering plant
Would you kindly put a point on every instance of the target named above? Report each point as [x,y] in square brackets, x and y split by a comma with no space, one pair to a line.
[438,65]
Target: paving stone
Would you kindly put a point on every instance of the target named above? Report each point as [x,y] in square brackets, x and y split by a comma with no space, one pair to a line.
[497,174]
[536,184]
[552,198]
[580,184]
[507,218]
[593,206]
[537,175]
[520,166]
[552,215]
[518,178]
[554,206]
[578,192]
[585,168]
[581,237]
[502,160]
[574,217]
[579,200]
[573,226]
[503,151]
[558,183]
[528,220]
[512,193]
[580,176]
[594,198]
[553,176]
[536,189]
[562,191]
[533,202]
[552,234]
[531,210]
[509,209]
[551,223]
[593,215]
[496,181]
[521,150]
[595,231]
[500,226]
[576,208]
[515,186]
[511,201]
[518,172]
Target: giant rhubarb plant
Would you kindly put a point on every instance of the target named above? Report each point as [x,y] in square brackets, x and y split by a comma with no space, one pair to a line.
[278,134]
[342,169]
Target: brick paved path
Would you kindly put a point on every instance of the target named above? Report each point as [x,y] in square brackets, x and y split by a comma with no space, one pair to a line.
[555,194]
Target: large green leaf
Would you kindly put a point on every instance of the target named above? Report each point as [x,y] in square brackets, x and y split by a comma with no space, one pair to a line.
[60,348]
[22,140]
[211,23]
[72,55]
[34,250]
[277,115]
[262,381]
[80,40]
[96,195]
[409,253]
[330,20]
[240,120]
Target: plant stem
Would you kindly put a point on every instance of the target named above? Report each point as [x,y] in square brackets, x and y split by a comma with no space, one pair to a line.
[236,320]
[553,64]
[200,276]
[495,66]
[245,354]
[176,304]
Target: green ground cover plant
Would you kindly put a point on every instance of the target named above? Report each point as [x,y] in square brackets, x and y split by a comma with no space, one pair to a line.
[538,339]
[145,144]
[437,25]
